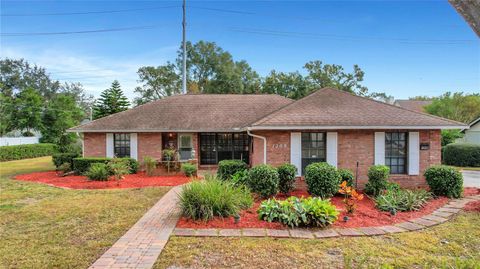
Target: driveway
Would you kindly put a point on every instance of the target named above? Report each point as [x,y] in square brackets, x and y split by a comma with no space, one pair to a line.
[471,178]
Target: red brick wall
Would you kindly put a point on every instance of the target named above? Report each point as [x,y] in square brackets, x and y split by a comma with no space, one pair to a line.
[94,144]
[278,148]
[149,144]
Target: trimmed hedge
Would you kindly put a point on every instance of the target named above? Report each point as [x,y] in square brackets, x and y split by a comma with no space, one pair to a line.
[19,152]
[61,158]
[263,179]
[377,179]
[445,180]
[322,179]
[462,154]
[286,174]
[347,176]
[228,168]
[81,165]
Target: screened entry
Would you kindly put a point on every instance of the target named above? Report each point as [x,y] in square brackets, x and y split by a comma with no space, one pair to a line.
[215,147]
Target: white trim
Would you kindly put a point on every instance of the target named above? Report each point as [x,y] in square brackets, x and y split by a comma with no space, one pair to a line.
[413,153]
[362,127]
[296,151]
[379,148]
[109,145]
[264,145]
[134,146]
[332,142]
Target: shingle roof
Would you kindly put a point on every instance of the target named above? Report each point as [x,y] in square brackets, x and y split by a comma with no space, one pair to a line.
[415,105]
[331,108]
[190,112]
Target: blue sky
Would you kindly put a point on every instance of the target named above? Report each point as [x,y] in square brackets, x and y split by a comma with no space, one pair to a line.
[406,48]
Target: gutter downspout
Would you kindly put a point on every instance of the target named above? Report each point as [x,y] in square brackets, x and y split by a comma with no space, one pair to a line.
[264,145]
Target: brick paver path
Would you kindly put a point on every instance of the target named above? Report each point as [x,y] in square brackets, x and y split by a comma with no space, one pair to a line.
[141,245]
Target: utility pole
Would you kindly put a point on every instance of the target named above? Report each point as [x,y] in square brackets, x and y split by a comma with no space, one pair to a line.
[184,44]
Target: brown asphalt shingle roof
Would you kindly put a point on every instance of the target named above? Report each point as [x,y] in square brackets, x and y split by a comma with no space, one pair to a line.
[333,108]
[415,105]
[191,112]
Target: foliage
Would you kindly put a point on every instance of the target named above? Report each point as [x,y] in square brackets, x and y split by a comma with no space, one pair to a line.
[111,101]
[294,212]
[119,168]
[292,85]
[157,83]
[450,135]
[61,158]
[286,175]
[27,110]
[402,200]
[169,154]
[263,179]
[351,196]
[457,106]
[81,165]
[322,179]
[18,152]
[347,176]
[227,168]
[462,154]
[65,167]
[150,165]
[98,172]
[444,180]
[377,179]
[202,200]
[189,169]
[240,178]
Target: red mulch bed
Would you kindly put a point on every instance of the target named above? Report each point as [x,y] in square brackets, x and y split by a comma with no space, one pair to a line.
[470,191]
[139,180]
[472,206]
[366,215]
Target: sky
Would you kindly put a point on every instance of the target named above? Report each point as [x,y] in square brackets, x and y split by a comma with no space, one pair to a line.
[405,48]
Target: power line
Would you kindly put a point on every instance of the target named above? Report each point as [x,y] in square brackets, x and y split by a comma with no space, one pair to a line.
[82,32]
[84,12]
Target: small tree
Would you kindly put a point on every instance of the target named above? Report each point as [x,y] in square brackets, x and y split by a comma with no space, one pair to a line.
[27,111]
[111,101]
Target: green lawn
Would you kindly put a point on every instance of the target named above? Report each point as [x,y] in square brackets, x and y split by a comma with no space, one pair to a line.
[455,244]
[48,227]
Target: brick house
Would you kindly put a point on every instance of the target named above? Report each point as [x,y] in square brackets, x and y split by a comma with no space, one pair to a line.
[329,125]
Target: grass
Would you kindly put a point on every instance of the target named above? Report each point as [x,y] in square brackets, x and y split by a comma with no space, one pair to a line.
[455,244]
[48,227]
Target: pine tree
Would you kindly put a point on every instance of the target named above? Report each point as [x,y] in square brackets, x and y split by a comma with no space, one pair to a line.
[111,101]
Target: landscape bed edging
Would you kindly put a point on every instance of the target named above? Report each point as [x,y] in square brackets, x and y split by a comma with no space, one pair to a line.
[441,215]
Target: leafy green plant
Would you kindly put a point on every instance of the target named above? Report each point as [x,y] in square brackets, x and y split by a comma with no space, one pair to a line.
[119,168]
[377,179]
[150,165]
[65,167]
[263,179]
[81,165]
[294,212]
[322,179]
[445,180]
[286,174]
[203,200]
[227,168]
[240,178]
[462,154]
[59,159]
[189,169]
[402,200]
[98,172]
[347,176]
[19,152]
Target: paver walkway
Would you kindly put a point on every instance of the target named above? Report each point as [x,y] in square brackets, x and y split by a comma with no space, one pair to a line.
[141,245]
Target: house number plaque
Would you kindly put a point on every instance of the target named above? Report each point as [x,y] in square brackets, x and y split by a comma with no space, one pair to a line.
[279,146]
[424,146]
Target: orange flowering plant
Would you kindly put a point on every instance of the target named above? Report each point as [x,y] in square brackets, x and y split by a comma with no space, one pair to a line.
[351,197]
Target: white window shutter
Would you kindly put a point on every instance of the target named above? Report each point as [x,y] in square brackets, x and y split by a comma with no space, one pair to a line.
[413,153]
[134,146]
[296,151]
[109,145]
[332,148]
[379,148]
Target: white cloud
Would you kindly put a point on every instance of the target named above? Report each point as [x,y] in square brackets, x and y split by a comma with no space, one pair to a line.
[96,73]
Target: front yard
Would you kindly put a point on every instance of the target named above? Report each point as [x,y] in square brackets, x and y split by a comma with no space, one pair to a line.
[49,227]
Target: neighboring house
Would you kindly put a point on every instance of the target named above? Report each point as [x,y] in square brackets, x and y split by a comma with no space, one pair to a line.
[472,134]
[328,125]
[415,105]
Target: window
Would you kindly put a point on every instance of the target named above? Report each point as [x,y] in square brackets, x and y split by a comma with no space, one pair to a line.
[396,152]
[185,146]
[313,149]
[215,147]
[121,144]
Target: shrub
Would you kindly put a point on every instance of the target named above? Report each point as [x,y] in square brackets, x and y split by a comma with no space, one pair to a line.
[202,200]
[263,179]
[240,178]
[81,165]
[286,176]
[119,168]
[227,168]
[189,169]
[19,152]
[150,165]
[65,167]
[377,179]
[402,200]
[61,158]
[294,212]
[347,176]
[322,179]
[350,198]
[462,154]
[98,172]
[444,180]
